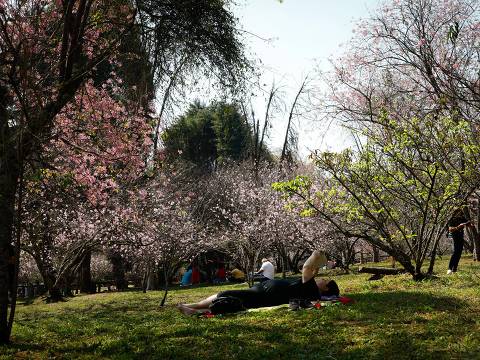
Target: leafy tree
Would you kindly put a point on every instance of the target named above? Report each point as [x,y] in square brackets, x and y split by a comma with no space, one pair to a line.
[392,192]
[416,61]
[206,134]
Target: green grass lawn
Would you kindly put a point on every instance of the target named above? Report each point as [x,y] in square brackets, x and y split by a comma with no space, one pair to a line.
[393,318]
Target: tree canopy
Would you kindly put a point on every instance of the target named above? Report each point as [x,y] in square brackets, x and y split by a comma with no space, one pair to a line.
[206,134]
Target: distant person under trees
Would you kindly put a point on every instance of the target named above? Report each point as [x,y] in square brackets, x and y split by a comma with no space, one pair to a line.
[456,227]
[277,292]
[266,271]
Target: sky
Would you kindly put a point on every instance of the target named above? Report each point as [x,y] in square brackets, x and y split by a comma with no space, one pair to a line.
[299,34]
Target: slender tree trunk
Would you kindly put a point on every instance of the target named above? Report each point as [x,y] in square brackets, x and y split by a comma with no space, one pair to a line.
[146,275]
[85,274]
[289,123]
[165,278]
[433,256]
[376,254]
[474,232]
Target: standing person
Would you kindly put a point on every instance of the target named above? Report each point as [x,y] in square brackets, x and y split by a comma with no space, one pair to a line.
[187,277]
[277,292]
[220,275]
[195,275]
[456,227]
[266,271]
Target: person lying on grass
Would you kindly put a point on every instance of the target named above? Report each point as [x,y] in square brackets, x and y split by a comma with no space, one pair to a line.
[276,292]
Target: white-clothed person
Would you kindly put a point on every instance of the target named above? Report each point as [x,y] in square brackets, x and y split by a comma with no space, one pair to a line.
[267,270]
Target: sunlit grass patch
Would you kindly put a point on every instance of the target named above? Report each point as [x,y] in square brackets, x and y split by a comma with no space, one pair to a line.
[392,318]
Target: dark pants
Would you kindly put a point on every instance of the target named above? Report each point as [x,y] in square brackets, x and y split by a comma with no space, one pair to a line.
[253,297]
[260,278]
[457,253]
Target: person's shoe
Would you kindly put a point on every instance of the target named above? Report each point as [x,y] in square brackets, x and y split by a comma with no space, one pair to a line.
[294,304]
[305,304]
[449,272]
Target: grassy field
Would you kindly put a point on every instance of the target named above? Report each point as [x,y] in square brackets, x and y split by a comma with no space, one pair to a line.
[393,318]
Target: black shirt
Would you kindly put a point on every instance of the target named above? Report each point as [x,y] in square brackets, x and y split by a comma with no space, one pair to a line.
[455,221]
[275,292]
[282,291]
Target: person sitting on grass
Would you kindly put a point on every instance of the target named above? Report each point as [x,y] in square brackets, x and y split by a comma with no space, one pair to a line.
[266,272]
[299,293]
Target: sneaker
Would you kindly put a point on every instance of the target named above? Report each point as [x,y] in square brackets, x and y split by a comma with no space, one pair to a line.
[294,304]
[305,304]
[449,272]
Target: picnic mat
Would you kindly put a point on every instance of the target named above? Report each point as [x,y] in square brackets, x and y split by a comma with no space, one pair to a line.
[333,301]
[318,305]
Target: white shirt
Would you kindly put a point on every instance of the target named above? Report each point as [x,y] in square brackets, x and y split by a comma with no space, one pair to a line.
[268,270]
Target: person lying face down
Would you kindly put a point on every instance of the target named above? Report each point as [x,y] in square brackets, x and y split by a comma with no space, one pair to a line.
[276,292]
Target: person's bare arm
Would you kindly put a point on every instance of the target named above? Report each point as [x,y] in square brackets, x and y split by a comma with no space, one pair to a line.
[313,263]
[260,271]
[460,226]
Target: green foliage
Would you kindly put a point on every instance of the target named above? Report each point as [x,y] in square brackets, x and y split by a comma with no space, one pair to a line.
[300,185]
[203,33]
[393,318]
[208,133]
[398,190]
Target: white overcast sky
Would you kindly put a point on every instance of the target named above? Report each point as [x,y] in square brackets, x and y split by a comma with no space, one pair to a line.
[303,32]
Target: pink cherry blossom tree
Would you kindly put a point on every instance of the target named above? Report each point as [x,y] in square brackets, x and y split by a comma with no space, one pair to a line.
[49,51]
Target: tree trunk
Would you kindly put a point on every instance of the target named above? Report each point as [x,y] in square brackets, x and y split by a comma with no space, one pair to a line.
[152,279]
[476,247]
[9,173]
[118,269]
[146,275]
[295,260]
[49,279]
[85,275]
[165,278]
[405,261]
[473,233]
[376,254]
[433,255]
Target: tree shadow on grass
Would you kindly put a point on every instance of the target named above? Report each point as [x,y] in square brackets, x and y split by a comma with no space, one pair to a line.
[405,325]
[397,325]
[400,303]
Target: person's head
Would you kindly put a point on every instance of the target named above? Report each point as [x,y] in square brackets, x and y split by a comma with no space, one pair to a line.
[264,260]
[328,287]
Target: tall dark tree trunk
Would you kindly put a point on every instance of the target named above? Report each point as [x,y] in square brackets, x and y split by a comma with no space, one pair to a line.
[433,256]
[50,280]
[9,174]
[85,275]
[118,269]
[294,260]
